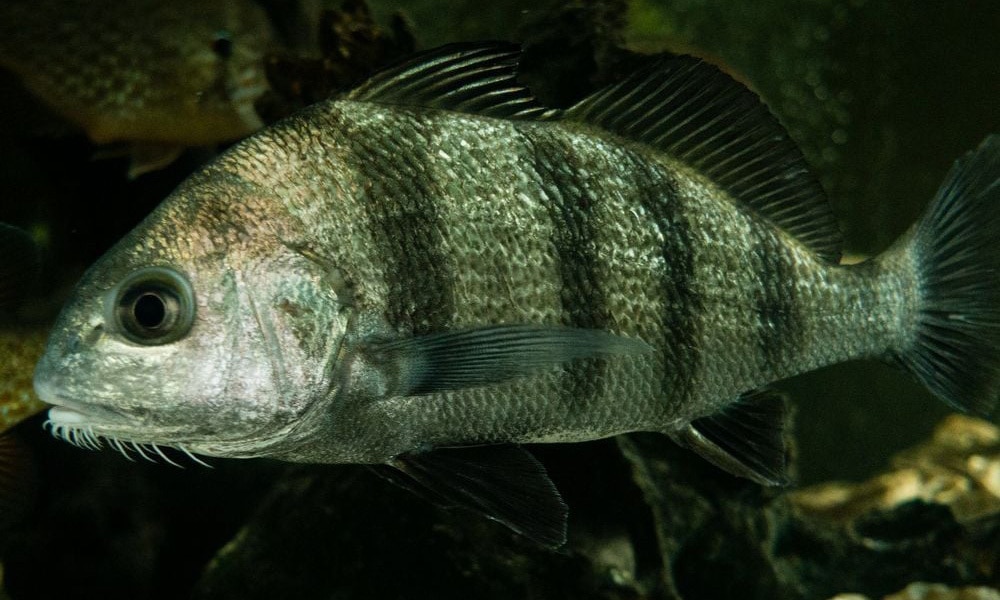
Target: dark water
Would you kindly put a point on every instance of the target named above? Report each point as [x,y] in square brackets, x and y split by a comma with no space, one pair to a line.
[881,96]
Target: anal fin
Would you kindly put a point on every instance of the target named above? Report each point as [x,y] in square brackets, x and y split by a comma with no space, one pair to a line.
[504,483]
[746,439]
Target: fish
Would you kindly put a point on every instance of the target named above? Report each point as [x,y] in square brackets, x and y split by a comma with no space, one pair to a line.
[434,269]
[20,349]
[157,75]
[20,265]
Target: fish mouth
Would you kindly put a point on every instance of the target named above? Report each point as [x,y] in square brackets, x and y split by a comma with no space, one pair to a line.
[72,412]
[90,427]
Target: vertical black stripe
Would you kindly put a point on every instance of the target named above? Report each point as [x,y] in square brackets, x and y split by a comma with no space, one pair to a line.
[683,306]
[401,201]
[779,327]
[572,194]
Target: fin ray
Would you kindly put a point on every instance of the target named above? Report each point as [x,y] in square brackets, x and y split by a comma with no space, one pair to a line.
[697,114]
[503,483]
[747,439]
[478,78]
[488,355]
[956,346]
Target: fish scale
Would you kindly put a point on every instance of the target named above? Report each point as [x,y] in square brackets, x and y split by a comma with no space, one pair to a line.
[434,269]
[488,138]
[157,75]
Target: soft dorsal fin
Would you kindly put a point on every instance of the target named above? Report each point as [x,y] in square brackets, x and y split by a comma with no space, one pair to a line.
[478,78]
[699,115]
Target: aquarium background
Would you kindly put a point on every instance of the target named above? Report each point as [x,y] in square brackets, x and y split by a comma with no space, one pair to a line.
[882,96]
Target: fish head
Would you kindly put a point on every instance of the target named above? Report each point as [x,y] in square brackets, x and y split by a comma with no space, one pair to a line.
[200,330]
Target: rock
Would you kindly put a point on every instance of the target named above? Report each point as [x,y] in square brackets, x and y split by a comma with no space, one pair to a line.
[933,516]
[933,591]
[341,532]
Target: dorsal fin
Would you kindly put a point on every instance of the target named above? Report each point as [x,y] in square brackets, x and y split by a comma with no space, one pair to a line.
[477,78]
[699,115]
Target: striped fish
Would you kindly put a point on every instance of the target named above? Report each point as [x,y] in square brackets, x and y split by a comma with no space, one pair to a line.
[435,269]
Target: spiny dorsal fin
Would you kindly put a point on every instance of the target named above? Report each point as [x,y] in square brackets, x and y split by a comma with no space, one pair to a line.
[475,78]
[747,439]
[699,115]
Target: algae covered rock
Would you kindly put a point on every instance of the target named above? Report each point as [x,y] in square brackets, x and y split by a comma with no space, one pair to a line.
[934,515]
[933,591]
[343,532]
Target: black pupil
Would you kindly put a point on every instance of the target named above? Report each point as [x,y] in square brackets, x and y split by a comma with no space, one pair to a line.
[149,310]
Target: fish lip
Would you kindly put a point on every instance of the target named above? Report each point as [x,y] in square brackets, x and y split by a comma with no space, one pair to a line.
[73,411]
[68,411]
[76,414]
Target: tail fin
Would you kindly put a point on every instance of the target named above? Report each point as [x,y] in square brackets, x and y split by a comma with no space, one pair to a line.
[956,249]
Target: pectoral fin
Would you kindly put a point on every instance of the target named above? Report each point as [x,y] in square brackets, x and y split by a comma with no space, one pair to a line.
[747,439]
[488,355]
[504,483]
[147,157]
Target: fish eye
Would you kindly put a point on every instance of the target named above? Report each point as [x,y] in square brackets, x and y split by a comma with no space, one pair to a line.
[153,306]
[222,44]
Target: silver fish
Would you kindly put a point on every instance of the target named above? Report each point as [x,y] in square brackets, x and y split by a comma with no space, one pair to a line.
[435,269]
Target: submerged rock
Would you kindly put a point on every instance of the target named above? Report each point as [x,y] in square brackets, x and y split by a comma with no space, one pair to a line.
[958,468]
[934,515]
[933,591]
[342,532]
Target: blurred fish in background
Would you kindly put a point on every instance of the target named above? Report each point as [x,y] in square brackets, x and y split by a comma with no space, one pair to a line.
[151,76]
[20,261]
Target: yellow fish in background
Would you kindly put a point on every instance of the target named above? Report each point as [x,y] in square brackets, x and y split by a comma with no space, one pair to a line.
[160,75]
[19,267]
[19,351]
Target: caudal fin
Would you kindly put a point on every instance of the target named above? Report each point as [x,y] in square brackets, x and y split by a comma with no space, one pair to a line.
[956,250]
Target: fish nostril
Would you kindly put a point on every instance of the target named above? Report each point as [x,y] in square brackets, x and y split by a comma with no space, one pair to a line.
[74,343]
